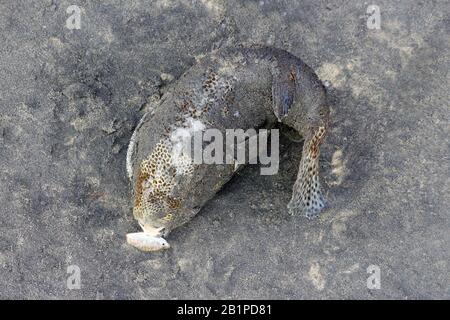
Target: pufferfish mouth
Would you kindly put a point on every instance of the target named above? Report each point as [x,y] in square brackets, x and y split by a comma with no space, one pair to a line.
[153,231]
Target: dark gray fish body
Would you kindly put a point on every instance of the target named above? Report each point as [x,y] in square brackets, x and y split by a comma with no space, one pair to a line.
[236,88]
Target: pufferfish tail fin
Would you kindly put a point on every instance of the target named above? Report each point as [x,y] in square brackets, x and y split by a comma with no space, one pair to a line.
[307,195]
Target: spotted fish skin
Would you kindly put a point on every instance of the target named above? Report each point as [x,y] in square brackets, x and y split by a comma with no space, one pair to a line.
[242,87]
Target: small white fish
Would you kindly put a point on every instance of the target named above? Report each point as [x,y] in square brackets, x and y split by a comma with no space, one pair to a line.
[146,242]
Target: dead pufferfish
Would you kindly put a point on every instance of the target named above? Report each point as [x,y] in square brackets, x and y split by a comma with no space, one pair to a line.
[242,87]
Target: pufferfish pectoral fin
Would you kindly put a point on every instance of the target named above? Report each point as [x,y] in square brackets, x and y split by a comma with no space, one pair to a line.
[132,149]
[283,92]
[132,145]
